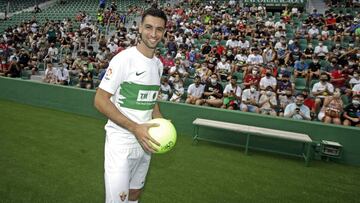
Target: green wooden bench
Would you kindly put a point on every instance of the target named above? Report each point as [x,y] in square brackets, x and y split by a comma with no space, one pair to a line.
[255,131]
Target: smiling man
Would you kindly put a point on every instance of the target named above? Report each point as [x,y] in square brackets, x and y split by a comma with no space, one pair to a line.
[127,96]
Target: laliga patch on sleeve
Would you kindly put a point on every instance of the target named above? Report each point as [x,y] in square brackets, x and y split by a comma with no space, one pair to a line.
[108,74]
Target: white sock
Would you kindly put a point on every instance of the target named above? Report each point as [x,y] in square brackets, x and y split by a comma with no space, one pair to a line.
[133,201]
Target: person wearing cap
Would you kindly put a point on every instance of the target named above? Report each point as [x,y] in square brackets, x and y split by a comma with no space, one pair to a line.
[268,80]
[297,109]
[351,115]
[213,93]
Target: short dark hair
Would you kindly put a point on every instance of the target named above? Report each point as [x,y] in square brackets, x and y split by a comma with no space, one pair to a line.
[154,12]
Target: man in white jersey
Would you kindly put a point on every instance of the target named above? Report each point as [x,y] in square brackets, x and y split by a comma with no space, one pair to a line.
[127,96]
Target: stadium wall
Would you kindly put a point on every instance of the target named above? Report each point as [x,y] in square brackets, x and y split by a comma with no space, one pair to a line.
[80,101]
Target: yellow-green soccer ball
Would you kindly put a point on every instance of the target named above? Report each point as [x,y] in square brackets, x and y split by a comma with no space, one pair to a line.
[165,134]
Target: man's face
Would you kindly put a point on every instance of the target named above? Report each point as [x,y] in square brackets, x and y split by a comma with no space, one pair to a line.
[152,30]
[299,101]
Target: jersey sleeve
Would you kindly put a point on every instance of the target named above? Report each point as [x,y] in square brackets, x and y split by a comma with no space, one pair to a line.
[114,75]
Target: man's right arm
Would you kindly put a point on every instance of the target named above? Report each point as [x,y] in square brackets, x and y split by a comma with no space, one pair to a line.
[103,104]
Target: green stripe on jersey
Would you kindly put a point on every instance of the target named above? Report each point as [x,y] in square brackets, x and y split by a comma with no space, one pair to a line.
[138,97]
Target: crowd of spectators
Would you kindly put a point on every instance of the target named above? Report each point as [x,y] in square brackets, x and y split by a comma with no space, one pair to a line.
[293,64]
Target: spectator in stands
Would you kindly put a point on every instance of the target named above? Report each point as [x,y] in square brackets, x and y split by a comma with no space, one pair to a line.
[313,32]
[223,68]
[268,101]
[351,115]
[355,79]
[332,108]
[321,50]
[252,78]
[322,89]
[165,89]
[301,68]
[232,94]
[356,89]
[309,51]
[178,91]
[337,78]
[195,92]
[297,109]
[213,93]
[24,59]
[268,80]
[255,58]
[53,53]
[250,99]
[314,68]
[62,75]
[50,74]
[86,77]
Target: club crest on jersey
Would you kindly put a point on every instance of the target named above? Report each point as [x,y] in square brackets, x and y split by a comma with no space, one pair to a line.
[122,196]
[108,74]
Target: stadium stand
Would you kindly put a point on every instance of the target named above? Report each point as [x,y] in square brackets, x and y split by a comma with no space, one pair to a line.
[220,37]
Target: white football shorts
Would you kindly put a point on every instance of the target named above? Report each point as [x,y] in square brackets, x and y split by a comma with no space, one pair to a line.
[126,166]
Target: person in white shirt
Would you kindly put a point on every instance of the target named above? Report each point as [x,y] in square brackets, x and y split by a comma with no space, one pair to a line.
[53,52]
[232,42]
[179,69]
[280,23]
[270,23]
[244,44]
[356,89]
[62,75]
[355,79]
[250,100]
[268,102]
[321,50]
[255,58]
[222,68]
[268,80]
[294,11]
[232,94]
[195,92]
[165,89]
[50,74]
[112,46]
[313,32]
[178,92]
[297,110]
[321,90]
[127,96]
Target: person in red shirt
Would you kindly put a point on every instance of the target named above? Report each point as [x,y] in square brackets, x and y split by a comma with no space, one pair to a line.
[168,62]
[252,78]
[337,77]
[330,22]
[4,65]
[309,102]
[220,49]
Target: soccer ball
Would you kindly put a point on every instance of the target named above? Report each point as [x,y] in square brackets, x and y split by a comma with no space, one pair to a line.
[165,134]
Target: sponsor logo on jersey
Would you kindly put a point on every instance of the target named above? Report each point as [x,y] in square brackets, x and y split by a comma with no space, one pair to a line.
[147,96]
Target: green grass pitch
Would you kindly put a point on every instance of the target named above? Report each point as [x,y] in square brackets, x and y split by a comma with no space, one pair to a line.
[53,156]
